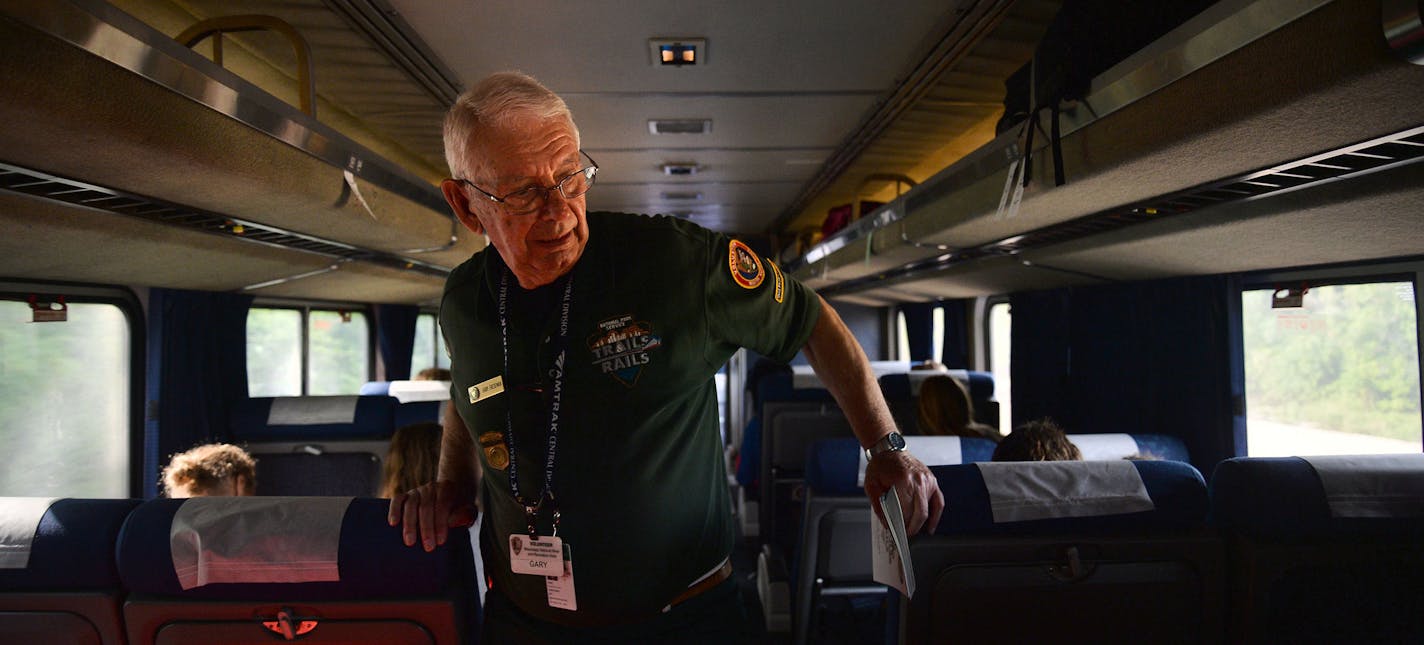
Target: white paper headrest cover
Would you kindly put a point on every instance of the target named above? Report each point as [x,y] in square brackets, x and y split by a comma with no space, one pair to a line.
[1372,485]
[414,391]
[257,539]
[1104,446]
[932,451]
[1037,490]
[312,410]
[19,519]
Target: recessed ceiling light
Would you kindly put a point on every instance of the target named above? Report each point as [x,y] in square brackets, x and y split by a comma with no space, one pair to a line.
[678,52]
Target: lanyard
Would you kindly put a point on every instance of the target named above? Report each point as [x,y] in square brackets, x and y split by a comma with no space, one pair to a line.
[531,510]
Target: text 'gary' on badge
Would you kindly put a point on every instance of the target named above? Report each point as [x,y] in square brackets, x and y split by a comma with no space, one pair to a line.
[541,556]
[486,389]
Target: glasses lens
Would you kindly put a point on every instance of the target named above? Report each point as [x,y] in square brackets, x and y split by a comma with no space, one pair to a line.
[577,183]
[524,200]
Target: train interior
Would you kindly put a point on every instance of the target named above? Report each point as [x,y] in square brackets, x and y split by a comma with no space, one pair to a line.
[930,169]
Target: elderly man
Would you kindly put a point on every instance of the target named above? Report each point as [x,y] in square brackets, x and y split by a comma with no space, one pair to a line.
[583,349]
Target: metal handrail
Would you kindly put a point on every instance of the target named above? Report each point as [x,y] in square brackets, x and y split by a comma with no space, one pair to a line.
[216,27]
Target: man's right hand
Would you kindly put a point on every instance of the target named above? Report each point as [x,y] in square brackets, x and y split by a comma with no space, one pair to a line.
[428,511]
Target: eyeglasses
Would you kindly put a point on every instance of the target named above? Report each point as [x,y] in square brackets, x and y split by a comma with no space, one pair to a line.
[527,200]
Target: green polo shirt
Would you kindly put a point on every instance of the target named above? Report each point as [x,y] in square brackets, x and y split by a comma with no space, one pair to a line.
[658,306]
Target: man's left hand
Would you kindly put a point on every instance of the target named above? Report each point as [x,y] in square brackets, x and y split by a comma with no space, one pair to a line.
[920,497]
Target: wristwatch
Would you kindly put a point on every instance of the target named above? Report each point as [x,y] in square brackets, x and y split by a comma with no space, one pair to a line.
[893,442]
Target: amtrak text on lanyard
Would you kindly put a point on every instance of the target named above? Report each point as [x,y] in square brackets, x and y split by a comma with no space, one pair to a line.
[531,509]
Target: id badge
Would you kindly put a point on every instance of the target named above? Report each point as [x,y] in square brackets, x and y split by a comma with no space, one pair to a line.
[540,556]
[561,587]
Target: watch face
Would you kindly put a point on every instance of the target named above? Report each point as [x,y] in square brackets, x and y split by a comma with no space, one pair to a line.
[896,441]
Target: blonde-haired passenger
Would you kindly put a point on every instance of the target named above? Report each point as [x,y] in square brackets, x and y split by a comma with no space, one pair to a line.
[413,458]
[945,410]
[210,470]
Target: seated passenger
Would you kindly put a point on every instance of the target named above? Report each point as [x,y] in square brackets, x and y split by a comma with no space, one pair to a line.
[413,458]
[1040,440]
[211,470]
[945,410]
[432,374]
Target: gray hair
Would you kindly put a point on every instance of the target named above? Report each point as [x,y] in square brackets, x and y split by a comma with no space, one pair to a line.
[496,101]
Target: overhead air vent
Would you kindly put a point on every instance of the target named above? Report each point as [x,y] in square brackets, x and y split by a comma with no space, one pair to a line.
[680,126]
[681,169]
[682,196]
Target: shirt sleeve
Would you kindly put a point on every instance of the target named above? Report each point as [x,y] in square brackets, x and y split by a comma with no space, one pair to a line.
[752,303]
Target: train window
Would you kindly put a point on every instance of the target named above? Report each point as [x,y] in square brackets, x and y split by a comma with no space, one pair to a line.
[296,352]
[339,351]
[902,338]
[999,339]
[65,401]
[429,348]
[1337,375]
[274,352]
[937,333]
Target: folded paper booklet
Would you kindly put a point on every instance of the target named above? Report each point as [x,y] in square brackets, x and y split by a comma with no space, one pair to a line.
[890,547]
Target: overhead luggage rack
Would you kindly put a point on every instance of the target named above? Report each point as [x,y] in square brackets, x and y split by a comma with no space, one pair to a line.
[1167,133]
[36,184]
[118,117]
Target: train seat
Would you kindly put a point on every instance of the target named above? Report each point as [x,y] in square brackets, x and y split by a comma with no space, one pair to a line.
[316,445]
[794,415]
[834,554]
[1114,445]
[1324,549]
[420,401]
[902,392]
[375,388]
[58,579]
[1105,551]
[415,391]
[318,569]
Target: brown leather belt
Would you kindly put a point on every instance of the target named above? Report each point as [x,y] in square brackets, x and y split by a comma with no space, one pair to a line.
[701,586]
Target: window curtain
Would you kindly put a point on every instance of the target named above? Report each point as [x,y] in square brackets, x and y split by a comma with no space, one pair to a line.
[919,330]
[955,354]
[1152,357]
[395,336]
[197,368]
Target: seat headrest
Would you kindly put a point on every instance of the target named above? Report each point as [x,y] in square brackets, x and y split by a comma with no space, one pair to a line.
[1176,491]
[783,387]
[414,391]
[1121,446]
[301,418]
[372,560]
[1302,498]
[836,467]
[72,547]
[980,385]
[375,388]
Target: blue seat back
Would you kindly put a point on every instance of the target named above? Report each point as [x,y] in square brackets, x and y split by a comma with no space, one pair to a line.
[1081,571]
[69,590]
[317,445]
[1324,549]
[384,587]
[902,394]
[313,418]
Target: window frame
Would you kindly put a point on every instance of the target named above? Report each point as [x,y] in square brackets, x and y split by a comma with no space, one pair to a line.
[306,308]
[132,308]
[1395,270]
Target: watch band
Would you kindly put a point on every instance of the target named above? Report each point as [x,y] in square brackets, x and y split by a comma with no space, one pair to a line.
[891,442]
